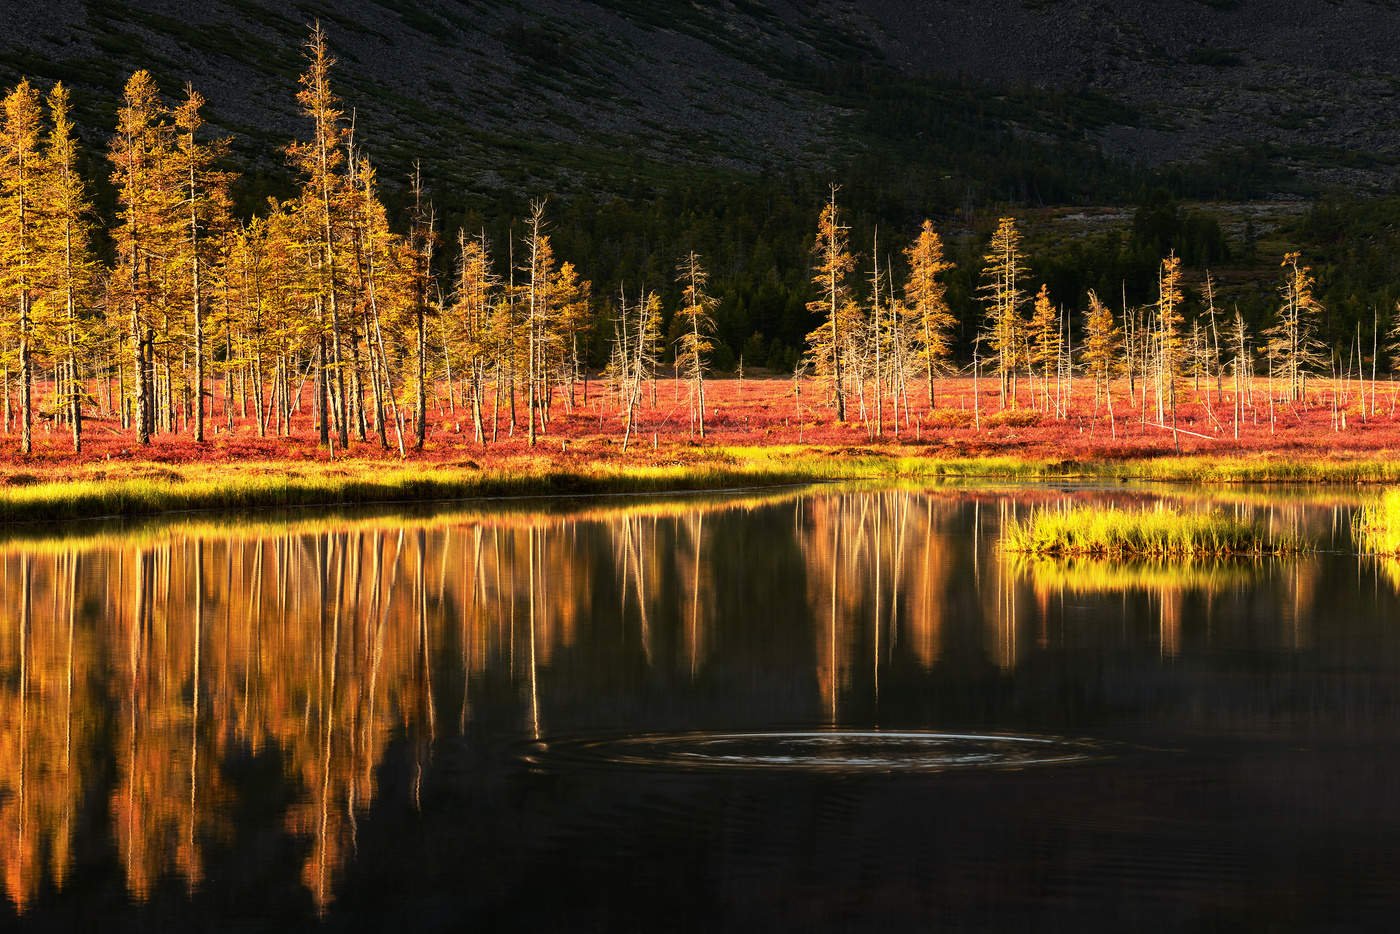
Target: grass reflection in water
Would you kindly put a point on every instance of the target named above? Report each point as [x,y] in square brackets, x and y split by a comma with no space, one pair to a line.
[142,668]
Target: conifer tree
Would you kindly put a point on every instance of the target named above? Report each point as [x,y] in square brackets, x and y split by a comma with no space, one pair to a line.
[642,348]
[69,267]
[1169,321]
[384,277]
[1004,329]
[539,262]
[1292,341]
[694,344]
[20,185]
[1242,366]
[1044,339]
[925,297]
[573,301]
[828,343]
[422,241]
[206,208]
[148,224]
[320,161]
[1103,342]
[1169,340]
[244,314]
[471,335]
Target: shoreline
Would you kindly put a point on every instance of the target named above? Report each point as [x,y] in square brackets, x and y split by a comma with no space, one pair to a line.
[153,489]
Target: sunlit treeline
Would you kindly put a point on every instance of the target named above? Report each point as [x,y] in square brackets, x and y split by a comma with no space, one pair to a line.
[315,313]
[874,354]
[131,674]
[323,314]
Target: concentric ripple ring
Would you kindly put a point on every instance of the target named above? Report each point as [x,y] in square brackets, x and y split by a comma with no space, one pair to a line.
[837,751]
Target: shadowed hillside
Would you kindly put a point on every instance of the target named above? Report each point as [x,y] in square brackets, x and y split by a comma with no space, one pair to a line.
[567,93]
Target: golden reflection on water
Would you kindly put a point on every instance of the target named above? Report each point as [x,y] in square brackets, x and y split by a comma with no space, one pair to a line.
[152,657]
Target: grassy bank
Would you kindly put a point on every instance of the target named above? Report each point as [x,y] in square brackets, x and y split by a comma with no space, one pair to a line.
[1378,525]
[351,485]
[1110,532]
[267,523]
[149,489]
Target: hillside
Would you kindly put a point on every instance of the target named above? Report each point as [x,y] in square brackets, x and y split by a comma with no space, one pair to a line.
[572,93]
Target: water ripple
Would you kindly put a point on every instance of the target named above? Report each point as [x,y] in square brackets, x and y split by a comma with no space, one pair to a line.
[836,751]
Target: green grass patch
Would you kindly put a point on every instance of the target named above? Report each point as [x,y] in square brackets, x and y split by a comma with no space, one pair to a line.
[1378,525]
[1111,532]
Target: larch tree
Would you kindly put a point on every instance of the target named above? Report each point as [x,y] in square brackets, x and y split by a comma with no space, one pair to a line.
[320,161]
[20,177]
[292,334]
[643,351]
[1241,366]
[1292,341]
[539,261]
[694,344]
[245,304]
[1392,345]
[384,277]
[206,217]
[1004,328]
[147,224]
[1103,344]
[926,302]
[828,343]
[1045,341]
[1170,350]
[69,266]
[573,312]
[470,331]
[422,241]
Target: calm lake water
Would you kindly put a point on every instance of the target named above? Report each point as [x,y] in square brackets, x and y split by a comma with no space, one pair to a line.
[815,709]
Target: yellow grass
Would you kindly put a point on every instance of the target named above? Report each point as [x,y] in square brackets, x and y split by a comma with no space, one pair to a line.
[148,489]
[1378,525]
[1161,532]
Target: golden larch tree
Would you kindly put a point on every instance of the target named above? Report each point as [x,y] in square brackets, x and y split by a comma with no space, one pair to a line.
[1292,341]
[828,344]
[321,160]
[206,217]
[694,345]
[573,303]
[148,223]
[926,302]
[1004,328]
[20,173]
[1044,339]
[470,336]
[1170,345]
[70,270]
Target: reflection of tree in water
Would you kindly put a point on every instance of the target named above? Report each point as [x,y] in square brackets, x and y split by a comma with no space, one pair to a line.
[321,644]
[879,568]
[132,669]
[45,726]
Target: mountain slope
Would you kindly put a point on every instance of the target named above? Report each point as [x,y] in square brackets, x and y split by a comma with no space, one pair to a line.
[572,93]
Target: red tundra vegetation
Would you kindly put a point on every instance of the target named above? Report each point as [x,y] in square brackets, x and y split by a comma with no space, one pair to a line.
[1335,419]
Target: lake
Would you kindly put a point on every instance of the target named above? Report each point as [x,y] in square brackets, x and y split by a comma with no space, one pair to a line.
[831,708]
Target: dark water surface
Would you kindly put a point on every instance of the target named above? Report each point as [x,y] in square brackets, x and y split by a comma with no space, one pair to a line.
[817,710]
